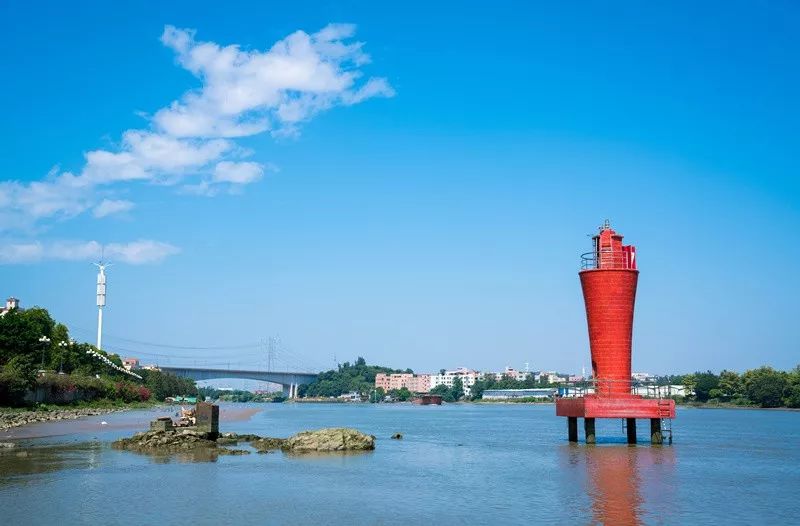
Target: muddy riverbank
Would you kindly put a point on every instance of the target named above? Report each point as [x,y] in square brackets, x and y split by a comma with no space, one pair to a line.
[10,418]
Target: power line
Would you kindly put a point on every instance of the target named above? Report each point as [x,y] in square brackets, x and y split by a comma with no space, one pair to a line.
[182,347]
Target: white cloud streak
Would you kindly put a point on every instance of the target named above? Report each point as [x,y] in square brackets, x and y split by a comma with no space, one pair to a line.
[112,206]
[191,140]
[135,253]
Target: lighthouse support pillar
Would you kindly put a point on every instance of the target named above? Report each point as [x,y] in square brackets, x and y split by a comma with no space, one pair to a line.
[572,428]
[656,437]
[630,426]
[588,427]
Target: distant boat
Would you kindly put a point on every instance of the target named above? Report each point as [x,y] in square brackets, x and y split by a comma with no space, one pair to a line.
[427,399]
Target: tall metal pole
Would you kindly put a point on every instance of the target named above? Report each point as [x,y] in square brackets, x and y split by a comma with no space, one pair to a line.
[101,301]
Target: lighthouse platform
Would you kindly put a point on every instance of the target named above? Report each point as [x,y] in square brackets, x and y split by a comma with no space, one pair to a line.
[594,406]
[629,408]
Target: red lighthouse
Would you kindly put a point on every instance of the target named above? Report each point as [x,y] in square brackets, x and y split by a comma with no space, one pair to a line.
[608,279]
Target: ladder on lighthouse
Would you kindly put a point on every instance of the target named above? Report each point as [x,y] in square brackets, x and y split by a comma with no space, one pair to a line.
[666,421]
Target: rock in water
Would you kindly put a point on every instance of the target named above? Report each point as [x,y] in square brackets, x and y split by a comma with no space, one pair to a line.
[330,439]
[166,441]
[397,436]
[266,444]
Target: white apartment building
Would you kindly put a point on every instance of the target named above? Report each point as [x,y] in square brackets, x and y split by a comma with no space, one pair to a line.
[468,377]
[549,377]
[519,376]
[509,372]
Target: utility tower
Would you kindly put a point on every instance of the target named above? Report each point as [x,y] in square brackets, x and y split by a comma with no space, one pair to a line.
[272,348]
[101,300]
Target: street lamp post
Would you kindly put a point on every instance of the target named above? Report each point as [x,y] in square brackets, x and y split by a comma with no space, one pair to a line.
[63,346]
[45,341]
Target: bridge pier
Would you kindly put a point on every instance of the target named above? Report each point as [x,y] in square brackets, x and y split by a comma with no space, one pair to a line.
[290,390]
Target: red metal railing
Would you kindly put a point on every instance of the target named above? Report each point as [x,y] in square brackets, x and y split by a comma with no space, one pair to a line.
[608,259]
[607,388]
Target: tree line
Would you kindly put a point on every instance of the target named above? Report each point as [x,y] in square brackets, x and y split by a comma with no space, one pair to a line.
[763,387]
[346,378]
[37,353]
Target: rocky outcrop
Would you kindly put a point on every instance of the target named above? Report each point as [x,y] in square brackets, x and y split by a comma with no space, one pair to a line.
[190,440]
[329,440]
[259,443]
[9,419]
[173,441]
[267,444]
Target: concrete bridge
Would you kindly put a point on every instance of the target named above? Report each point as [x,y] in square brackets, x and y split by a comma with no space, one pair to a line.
[288,380]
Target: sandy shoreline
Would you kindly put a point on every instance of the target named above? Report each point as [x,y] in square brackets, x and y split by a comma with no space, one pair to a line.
[15,418]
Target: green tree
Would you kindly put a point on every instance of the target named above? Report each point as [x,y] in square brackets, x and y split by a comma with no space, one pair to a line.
[704,383]
[765,386]
[729,387]
[792,390]
[445,392]
[347,378]
[16,377]
[402,394]
[689,384]
[20,332]
[457,391]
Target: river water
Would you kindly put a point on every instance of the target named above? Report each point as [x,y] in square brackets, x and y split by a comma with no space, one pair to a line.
[456,464]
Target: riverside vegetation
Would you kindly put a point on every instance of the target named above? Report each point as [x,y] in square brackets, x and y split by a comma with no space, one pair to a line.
[38,357]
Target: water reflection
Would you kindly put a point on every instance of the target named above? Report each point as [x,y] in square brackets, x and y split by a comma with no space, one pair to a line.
[626,485]
[16,464]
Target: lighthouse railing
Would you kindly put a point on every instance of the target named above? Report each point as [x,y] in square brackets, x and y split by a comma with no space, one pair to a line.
[609,388]
[607,259]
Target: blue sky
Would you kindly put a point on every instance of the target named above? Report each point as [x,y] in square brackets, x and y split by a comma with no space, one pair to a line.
[427,212]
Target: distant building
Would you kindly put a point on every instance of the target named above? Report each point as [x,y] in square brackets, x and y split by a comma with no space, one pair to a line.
[510,394]
[550,377]
[467,376]
[643,377]
[513,374]
[11,303]
[416,383]
[130,363]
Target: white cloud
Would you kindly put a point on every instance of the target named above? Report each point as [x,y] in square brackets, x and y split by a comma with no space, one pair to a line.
[135,253]
[139,252]
[237,173]
[112,206]
[248,92]
[189,141]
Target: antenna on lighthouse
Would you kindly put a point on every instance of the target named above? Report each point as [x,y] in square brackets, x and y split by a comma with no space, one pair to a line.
[101,298]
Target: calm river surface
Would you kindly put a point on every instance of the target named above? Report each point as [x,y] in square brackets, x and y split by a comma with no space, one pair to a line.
[456,464]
